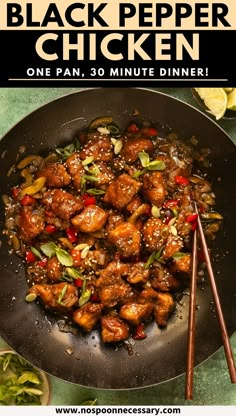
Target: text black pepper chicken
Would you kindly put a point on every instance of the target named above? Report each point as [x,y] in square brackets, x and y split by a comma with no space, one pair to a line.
[105,226]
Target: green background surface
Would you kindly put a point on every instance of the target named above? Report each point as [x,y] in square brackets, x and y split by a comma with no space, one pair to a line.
[211,379]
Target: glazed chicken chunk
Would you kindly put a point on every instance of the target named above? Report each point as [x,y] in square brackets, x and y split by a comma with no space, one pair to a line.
[126,238]
[58,296]
[135,313]
[91,219]
[120,192]
[31,223]
[132,147]
[56,175]
[88,315]
[155,234]
[62,203]
[113,329]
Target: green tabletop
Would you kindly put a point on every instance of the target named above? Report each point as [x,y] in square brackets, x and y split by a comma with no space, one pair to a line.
[211,380]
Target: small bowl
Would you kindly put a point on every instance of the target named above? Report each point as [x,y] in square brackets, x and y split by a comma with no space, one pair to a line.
[46,385]
[229,114]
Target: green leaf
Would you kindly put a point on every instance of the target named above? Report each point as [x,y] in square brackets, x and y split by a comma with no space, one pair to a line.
[179,255]
[90,178]
[138,173]
[75,274]
[150,260]
[29,376]
[94,191]
[49,249]
[85,294]
[159,253]
[63,257]
[62,294]
[156,165]
[34,392]
[36,252]
[144,159]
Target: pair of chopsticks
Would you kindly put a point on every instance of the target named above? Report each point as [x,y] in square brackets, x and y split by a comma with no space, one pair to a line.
[192,313]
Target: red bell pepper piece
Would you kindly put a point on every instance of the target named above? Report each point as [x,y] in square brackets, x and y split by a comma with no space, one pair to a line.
[181,180]
[43,262]
[78,282]
[27,200]
[94,298]
[30,256]
[151,131]
[71,234]
[76,256]
[15,192]
[88,200]
[50,228]
[192,217]
[169,203]
[133,128]
[139,333]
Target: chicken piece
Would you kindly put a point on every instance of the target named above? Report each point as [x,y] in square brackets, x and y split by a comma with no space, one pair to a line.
[174,243]
[104,175]
[58,222]
[135,313]
[60,296]
[132,147]
[101,149]
[56,175]
[154,188]
[155,234]
[75,168]
[62,203]
[114,329]
[31,223]
[134,204]
[114,218]
[138,273]
[88,315]
[163,280]
[126,238]
[184,228]
[53,270]
[120,192]
[95,259]
[91,219]
[111,287]
[164,308]
[183,264]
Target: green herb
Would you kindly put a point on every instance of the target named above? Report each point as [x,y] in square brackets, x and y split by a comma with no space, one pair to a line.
[94,191]
[63,257]
[87,160]
[61,295]
[18,381]
[154,165]
[75,274]
[138,173]
[85,294]
[90,178]
[150,260]
[68,150]
[179,255]
[36,252]
[159,253]
[49,249]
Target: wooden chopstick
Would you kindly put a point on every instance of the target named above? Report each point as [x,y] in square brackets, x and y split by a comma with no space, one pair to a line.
[191,324]
[224,333]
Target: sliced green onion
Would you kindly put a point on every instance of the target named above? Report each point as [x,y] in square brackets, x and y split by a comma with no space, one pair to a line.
[49,249]
[155,211]
[94,191]
[144,159]
[36,252]
[88,160]
[150,260]
[113,129]
[156,165]
[62,294]
[179,255]
[30,297]
[63,257]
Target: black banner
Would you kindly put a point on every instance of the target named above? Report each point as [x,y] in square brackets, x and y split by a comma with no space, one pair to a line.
[75,58]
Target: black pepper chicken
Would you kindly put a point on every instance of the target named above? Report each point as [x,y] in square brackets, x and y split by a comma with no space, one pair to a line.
[105,228]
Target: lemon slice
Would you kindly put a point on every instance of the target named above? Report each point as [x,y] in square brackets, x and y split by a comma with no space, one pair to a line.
[232,100]
[215,100]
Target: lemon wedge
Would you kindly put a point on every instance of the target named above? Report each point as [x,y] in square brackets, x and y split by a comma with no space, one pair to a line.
[232,100]
[215,100]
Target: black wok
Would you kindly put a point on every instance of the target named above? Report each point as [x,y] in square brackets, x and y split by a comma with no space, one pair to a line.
[162,355]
